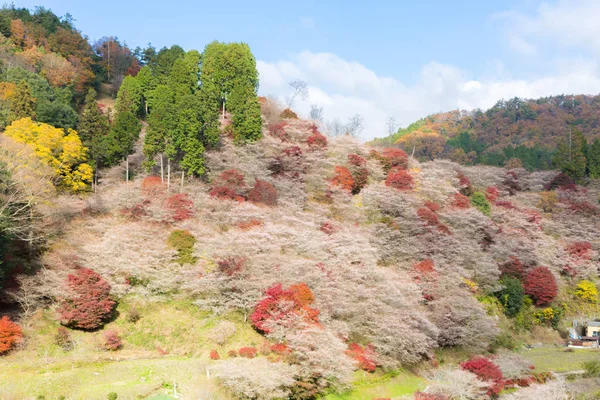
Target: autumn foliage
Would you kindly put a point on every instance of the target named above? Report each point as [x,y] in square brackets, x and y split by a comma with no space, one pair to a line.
[363,355]
[180,206]
[513,268]
[153,186]
[263,193]
[343,178]
[10,334]
[394,157]
[486,371]
[541,286]
[280,305]
[461,201]
[248,352]
[112,341]
[229,185]
[316,141]
[214,355]
[87,304]
[400,179]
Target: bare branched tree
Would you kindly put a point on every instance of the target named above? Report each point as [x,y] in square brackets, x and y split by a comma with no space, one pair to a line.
[335,127]
[355,125]
[300,90]
[316,113]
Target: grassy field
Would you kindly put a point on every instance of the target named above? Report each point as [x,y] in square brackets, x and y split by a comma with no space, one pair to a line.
[372,386]
[556,359]
[167,347]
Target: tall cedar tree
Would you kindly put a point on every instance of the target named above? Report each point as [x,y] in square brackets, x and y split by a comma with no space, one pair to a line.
[229,74]
[570,155]
[93,128]
[594,159]
[122,136]
[23,103]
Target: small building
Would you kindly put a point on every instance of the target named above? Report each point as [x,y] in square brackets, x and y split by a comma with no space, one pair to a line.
[585,334]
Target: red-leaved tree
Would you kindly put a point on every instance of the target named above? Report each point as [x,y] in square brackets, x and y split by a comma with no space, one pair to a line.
[230,185]
[541,286]
[364,356]
[343,178]
[400,179]
[486,371]
[461,201]
[87,303]
[316,141]
[10,334]
[282,305]
[263,193]
[180,206]
[393,157]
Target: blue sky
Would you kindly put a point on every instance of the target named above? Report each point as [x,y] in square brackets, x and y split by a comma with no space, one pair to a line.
[380,59]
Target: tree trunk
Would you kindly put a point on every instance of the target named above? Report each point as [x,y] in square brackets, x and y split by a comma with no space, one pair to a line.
[162,170]
[182,176]
[168,175]
[127,169]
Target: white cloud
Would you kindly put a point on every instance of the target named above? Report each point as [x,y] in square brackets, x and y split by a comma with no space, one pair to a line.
[568,23]
[344,88]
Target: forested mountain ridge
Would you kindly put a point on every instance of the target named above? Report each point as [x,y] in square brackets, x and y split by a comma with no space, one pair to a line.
[199,241]
[529,130]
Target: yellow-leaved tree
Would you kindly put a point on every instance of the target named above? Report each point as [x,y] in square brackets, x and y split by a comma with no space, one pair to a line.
[64,153]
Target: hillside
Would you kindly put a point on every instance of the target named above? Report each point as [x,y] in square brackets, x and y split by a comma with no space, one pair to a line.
[197,241]
[529,130]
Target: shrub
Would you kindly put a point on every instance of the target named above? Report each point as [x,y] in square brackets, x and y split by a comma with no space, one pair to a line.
[364,356]
[232,353]
[511,183]
[486,371]
[361,177]
[87,304]
[511,296]
[153,186]
[399,179]
[214,355]
[112,341]
[479,201]
[112,396]
[464,183]
[587,291]
[560,181]
[433,206]
[549,316]
[428,216]
[583,207]
[263,193]
[428,396]
[460,201]
[133,315]
[280,348]
[547,201]
[183,241]
[513,268]
[277,129]
[275,306]
[231,265]
[10,334]
[492,193]
[592,369]
[288,114]
[540,285]
[356,160]
[343,178]
[63,339]
[180,206]
[425,267]
[225,193]
[394,157]
[248,352]
[580,250]
[316,141]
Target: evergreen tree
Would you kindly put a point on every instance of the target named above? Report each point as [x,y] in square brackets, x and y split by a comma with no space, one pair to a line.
[247,122]
[594,159]
[23,104]
[228,74]
[129,97]
[122,136]
[93,128]
[570,156]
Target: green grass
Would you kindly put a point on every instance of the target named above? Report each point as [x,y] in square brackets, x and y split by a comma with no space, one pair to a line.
[139,370]
[371,386]
[556,359]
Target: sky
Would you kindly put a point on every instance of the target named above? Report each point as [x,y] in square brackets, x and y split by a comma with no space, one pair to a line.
[379,59]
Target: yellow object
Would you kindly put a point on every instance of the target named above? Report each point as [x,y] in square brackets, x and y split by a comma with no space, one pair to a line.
[587,291]
[64,153]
